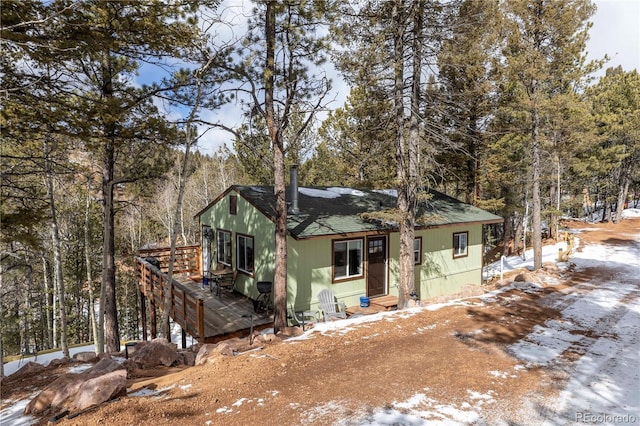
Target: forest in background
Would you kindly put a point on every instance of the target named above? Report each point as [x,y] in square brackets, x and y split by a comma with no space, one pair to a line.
[492,104]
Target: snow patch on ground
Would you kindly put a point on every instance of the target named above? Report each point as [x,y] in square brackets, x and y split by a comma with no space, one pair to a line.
[630,213]
[421,409]
[603,325]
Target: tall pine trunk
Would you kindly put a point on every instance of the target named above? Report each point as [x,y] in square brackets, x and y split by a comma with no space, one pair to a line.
[536,239]
[97,335]
[407,149]
[623,190]
[275,134]
[48,302]
[108,308]
[58,275]
[401,155]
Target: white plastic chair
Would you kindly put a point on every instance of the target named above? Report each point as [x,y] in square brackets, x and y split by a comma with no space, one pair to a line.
[331,309]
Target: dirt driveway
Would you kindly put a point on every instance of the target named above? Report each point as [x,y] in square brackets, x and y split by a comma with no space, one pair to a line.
[453,362]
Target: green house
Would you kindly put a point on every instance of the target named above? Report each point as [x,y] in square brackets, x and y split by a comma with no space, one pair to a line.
[337,239]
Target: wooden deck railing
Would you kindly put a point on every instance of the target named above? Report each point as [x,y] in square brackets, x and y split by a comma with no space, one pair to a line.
[187,259]
[187,309]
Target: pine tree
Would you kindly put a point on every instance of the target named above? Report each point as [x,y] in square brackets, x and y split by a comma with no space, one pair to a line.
[282,64]
[349,134]
[467,72]
[390,46]
[545,47]
[614,157]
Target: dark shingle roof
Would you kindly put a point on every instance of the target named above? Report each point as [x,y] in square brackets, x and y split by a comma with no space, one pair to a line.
[331,210]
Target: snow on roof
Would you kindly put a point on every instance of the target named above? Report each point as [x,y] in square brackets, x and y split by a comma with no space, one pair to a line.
[318,193]
[257,189]
[346,191]
[389,192]
[332,192]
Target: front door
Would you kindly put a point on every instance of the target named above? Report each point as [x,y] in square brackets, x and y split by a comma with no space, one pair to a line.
[376,266]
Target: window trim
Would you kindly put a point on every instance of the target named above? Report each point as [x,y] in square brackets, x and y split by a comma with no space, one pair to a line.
[238,257]
[233,204]
[335,279]
[419,261]
[220,259]
[466,244]
[206,252]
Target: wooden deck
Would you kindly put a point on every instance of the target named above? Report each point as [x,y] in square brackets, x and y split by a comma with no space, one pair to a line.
[376,304]
[200,313]
[386,303]
[229,314]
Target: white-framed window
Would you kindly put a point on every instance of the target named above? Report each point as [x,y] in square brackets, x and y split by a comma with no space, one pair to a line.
[347,259]
[417,251]
[224,247]
[460,248]
[244,258]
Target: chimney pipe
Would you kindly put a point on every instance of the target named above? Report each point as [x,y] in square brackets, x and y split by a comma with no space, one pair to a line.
[293,187]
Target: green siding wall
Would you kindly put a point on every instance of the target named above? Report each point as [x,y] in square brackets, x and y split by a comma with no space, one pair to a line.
[247,221]
[309,271]
[441,274]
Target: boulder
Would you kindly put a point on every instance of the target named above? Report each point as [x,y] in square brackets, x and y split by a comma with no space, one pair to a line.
[60,394]
[29,369]
[187,357]
[77,392]
[100,389]
[54,396]
[267,338]
[524,277]
[154,353]
[104,366]
[85,356]
[206,351]
[58,361]
[286,332]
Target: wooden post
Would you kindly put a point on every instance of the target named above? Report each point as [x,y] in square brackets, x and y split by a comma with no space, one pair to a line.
[184,339]
[184,310]
[199,267]
[200,315]
[152,318]
[143,314]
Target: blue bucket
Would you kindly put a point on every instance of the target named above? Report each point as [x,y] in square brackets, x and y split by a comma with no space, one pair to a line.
[205,281]
[364,302]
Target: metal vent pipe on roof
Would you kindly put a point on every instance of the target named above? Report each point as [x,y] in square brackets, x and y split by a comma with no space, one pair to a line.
[293,187]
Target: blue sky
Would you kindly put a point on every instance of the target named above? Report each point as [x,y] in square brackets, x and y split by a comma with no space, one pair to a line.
[615,32]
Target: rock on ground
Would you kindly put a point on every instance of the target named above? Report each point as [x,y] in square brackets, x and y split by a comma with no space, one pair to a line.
[100,389]
[60,394]
[154,353]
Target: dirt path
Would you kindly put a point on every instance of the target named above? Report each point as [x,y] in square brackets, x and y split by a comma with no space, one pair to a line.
[447,363]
